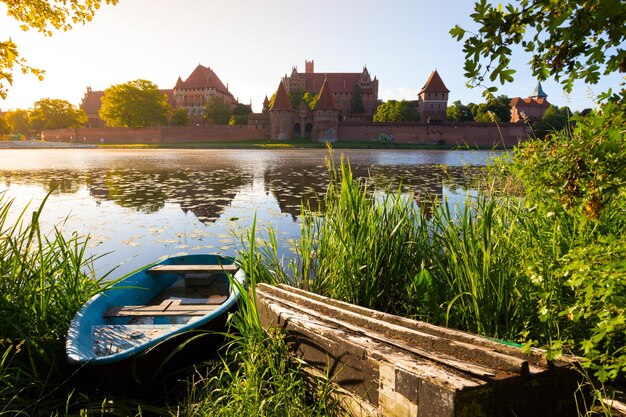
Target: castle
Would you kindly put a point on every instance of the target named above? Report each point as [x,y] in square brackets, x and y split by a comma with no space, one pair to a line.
[191,94]
[531,108]
[324,107]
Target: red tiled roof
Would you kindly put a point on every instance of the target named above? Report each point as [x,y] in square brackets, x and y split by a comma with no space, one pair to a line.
[529,102]
[434,84]
[281,101]
[325,101]
[202,77]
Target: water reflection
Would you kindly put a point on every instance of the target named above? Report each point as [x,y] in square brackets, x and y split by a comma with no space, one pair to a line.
[142,205]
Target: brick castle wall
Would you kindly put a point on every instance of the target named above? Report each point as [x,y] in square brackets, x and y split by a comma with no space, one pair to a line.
[163,134]
[470,134]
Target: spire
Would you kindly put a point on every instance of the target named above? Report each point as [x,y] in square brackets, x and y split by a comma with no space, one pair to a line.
[325,101]
[538,93]
[281,101]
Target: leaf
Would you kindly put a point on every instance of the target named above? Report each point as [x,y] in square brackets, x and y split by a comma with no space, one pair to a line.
[457,32]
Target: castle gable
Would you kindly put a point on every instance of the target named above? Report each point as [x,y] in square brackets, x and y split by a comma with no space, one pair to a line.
[281,101]
[434,84]
[325,101]
[202,78]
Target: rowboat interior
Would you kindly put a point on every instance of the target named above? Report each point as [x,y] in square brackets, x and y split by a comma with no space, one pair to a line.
[189,293]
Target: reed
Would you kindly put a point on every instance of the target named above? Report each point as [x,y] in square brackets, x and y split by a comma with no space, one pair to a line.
[44,279]
[256,376]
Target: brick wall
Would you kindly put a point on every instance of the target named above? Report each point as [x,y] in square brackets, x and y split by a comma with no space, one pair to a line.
[163,134]
[471,134]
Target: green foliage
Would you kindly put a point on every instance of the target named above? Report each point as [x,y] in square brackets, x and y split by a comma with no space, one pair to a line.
[137,103]
[568,40]
[396,111]
[217,110]
[5,128]
[18,120]
[458,112]
[596,275]
[583,171]
[553,120]
[242,109]
[50,113]
[257,376]
[237,119]
[44,279]
[310,99]
[43,16]
[301,96]
[180,117]
[356,102]
[496,109]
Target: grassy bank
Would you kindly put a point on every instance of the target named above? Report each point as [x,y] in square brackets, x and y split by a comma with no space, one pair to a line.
[544,267]
[45,278]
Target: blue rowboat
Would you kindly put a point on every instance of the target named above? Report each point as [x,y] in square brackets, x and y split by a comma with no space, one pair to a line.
[155,310]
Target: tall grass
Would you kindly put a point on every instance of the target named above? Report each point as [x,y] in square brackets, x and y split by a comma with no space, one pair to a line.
[257,376]
[44,279]
[498,265]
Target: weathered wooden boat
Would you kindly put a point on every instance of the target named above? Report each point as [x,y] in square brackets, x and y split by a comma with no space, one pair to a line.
[151,313]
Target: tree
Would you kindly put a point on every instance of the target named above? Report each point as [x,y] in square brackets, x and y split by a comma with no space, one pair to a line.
[43,16]
[242,109]
[18,121]
[356,103]
[496,109]
[554,119]
[568,39]
[137,103]
[5,129]
[396,111]
[458,112]
[217,110]
[180,117]
[51,113]
[311,99]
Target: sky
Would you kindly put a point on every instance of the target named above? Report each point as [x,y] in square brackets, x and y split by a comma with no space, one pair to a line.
[252,44]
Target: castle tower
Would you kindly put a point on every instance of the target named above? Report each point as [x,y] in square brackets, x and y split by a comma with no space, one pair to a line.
[325,116]
[194,92]
[531,108]
[266,105]
[309,67]
[538,92]
[281,115]
[433,99]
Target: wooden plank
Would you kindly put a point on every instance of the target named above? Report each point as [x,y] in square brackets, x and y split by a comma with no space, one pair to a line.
[159,310]
[465,357]
[186,269]
[404,367]
[536,357]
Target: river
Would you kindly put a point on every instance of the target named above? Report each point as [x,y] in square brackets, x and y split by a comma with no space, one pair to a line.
[138,206]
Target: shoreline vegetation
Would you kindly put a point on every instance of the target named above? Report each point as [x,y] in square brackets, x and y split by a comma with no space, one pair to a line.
[536,258]
[251,144]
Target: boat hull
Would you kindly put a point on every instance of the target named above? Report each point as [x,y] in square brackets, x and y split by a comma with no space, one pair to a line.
[138,353]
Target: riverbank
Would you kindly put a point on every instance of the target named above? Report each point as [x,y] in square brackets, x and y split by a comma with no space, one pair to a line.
[38,144]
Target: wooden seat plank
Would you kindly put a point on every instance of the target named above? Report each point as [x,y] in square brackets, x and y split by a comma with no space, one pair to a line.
[159,310]
[186,269]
